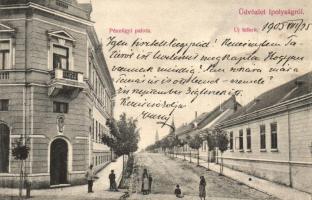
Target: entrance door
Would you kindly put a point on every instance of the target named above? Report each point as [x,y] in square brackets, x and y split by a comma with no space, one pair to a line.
[4,148]
[58,162]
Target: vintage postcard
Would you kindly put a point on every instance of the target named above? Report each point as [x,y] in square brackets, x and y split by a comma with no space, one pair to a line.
[160,100]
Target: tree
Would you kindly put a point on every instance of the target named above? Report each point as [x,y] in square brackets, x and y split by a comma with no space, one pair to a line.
[20,151]
[211,143]
[165,144]
[174,143]
[188,140]
[111,140]
[195,143]
[222,144]
[182,143]
[125,136]
[170,143]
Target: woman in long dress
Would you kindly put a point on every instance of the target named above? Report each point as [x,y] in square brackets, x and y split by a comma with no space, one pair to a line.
[145,182]
[202,188]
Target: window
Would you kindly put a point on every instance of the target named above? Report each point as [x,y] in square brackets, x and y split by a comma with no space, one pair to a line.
[90,113]
[274,136]
[90,71]
[100,129]
[231,140]
[96,130]
[5,148]
[60,107]
[63,4]
[4,55]
[248,137]
[4,104]
[262,137]
[60,57]
[241,139]
[92,128]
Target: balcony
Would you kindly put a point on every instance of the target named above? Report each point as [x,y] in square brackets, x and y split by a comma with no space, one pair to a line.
[65,83]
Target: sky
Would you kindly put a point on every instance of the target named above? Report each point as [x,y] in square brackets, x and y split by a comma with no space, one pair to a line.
[190,20]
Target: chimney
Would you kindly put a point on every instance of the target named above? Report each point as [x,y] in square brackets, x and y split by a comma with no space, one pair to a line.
[299,83]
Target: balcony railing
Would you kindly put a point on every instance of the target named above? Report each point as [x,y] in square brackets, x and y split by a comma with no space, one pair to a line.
[66,74]
[70,75]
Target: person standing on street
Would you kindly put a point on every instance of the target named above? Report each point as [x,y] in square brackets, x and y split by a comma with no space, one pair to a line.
[202,188]
[150,181]
[90,178]
[112,181]
[145,181]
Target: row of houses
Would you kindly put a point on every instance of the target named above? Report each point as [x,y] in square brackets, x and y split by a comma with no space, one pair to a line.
[270,137]
[55,91]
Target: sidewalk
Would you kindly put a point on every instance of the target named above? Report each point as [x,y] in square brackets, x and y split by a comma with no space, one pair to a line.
[277,190]
[100,187]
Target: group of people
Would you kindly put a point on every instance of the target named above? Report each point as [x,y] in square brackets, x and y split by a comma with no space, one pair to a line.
[202,189]
[147,180]
[91,177]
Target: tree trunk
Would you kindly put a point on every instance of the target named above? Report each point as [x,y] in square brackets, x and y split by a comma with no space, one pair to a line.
[216,156]
[221,165]
[208,156]
[21,180]
[123,164]
[197,157]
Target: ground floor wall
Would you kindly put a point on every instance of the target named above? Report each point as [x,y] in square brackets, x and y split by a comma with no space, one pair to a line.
[101,159]
[39,181]
[31,112]
[290,162]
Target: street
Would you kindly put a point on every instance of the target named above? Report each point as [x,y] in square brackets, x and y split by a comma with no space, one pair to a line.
[168,172]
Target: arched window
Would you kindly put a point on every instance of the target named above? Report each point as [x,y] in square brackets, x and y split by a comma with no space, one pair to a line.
[4,148]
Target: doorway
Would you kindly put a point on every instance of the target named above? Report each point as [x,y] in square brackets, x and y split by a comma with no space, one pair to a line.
[58,162]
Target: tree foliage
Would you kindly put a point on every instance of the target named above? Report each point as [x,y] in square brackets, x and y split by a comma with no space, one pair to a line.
[196,142]
[210,137]
[124,135]
[20,151]
[222,140]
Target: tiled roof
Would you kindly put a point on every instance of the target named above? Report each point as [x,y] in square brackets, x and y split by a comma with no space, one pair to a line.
[207,117]
[290,90]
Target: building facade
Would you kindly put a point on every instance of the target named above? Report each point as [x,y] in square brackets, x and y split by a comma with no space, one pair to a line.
[271,137]
[55,92]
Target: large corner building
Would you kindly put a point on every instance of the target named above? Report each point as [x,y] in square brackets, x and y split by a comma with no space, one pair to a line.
[55,90]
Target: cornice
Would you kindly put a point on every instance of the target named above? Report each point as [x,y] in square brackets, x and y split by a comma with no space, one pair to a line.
[294,103]
[48,10]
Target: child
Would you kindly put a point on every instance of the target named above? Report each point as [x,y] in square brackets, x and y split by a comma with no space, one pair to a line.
[178,192]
